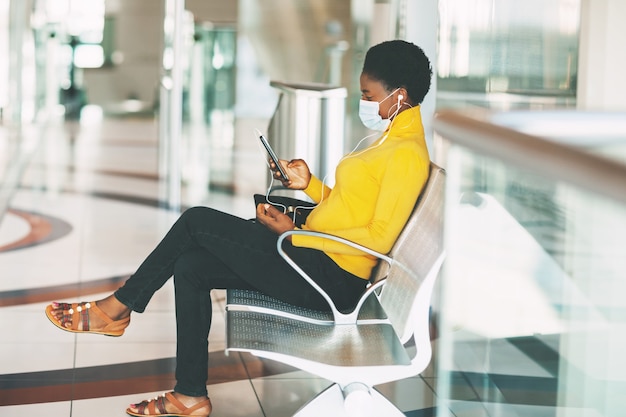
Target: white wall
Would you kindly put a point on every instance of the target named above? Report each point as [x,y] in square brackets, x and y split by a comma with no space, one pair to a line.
[139,39]
[421,29]
[4,52]
[601,80]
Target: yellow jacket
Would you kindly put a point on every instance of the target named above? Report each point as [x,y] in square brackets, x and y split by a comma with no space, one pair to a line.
[374,193]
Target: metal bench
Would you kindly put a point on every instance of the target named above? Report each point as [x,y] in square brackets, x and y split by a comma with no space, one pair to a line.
[368,346]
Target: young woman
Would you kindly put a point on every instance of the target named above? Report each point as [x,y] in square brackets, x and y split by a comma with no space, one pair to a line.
[374,193]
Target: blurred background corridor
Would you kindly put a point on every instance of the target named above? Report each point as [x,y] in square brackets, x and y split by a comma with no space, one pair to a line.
[116,115]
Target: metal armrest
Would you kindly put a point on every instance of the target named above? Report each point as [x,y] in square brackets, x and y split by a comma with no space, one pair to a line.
[339,317]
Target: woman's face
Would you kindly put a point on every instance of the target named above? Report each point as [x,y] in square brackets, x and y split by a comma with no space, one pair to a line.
[373,90]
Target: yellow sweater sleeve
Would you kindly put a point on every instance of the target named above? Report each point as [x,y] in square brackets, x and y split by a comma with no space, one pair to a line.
[317,190]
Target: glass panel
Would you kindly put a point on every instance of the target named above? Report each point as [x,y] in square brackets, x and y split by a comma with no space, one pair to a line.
[533,316]
[506,46]
[208,109]
[4,51]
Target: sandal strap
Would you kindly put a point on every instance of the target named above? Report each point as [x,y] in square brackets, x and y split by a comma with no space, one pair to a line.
[198,405]
[98,312]
[67,316]
[174,401]
[160,404]
[151,407]
[156,406]
[84,316]
[141,407]
[184,410]
[80,314]
[74,314]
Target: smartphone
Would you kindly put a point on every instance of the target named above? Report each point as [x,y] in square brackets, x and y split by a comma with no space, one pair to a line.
[272,155]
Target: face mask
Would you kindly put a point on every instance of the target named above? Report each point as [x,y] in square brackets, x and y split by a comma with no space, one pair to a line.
[370,117]
[368,113]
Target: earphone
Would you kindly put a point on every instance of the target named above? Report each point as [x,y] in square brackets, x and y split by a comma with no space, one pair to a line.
[292,209]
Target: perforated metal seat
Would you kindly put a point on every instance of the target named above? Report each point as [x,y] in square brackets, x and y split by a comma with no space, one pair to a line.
[250,300]
[356,351]
[371,345]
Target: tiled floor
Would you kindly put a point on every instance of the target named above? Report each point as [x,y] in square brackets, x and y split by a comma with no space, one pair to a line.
[86,207]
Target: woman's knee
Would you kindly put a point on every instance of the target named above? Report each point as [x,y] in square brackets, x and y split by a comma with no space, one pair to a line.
[196,213]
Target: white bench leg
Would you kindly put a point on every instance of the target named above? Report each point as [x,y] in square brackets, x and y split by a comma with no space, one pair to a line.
[384,407]
[327,403]
[330,402]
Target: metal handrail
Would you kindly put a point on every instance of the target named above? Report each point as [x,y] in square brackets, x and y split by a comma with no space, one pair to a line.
[549,158]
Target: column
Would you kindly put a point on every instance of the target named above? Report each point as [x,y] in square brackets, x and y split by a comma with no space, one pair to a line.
[602,56]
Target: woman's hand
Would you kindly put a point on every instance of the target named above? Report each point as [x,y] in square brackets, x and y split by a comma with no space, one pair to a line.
[274,219]
[297,170]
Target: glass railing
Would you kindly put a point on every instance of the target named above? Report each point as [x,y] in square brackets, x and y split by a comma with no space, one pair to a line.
[532,307]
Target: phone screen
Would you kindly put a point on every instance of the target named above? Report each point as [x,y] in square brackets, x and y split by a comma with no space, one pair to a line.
[272,155]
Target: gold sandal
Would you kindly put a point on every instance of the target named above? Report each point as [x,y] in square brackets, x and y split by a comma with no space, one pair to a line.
[156,407]
[79,313]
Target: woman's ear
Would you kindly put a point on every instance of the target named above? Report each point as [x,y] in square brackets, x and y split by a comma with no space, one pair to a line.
[402,97]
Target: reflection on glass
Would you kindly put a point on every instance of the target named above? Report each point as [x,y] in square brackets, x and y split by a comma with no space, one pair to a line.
[532,301]
[4,51]
[208,108]
[508,46]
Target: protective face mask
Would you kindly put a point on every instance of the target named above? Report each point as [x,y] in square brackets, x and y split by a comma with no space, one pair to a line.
[368,113]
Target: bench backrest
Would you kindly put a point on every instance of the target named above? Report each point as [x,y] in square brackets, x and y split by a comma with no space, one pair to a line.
[417,255]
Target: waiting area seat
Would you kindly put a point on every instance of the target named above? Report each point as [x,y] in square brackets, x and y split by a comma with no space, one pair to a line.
[386,338]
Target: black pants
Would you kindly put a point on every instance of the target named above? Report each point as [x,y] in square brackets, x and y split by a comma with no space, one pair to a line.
[207,249]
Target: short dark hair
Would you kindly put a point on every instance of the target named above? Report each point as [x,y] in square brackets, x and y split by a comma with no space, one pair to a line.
[398,63]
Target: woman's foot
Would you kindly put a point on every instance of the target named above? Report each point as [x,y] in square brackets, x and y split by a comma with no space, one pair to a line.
[107,316]
[172,404]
